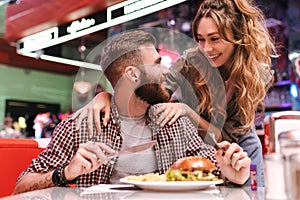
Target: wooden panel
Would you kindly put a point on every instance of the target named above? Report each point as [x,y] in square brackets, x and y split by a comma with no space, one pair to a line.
[9,57]
[32,16]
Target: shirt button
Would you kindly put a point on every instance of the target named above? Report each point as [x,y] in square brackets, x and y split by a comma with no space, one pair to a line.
[118,137]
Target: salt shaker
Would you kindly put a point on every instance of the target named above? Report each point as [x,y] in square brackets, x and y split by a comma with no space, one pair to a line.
[275,181]
[289,144]
[294,170]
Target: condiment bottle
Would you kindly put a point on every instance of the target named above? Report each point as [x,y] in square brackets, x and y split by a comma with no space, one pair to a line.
[253,177]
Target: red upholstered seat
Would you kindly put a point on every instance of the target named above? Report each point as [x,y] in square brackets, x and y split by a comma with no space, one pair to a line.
[15,156]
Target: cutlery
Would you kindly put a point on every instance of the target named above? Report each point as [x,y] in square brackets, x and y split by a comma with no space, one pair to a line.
[210,139]
[135,149]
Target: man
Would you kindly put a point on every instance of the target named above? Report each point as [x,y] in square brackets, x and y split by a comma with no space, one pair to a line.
[132,65]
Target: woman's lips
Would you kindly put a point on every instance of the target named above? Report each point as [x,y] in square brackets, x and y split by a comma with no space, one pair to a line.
[212,57]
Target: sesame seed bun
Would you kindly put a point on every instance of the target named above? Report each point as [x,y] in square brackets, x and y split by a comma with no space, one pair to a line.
[193,163]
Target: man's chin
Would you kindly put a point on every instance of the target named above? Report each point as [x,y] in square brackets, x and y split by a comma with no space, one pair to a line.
[152,95]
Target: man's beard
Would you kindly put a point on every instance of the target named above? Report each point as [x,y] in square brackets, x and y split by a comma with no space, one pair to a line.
[152,93]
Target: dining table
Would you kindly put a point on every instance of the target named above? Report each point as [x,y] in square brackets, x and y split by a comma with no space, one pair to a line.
[111,192]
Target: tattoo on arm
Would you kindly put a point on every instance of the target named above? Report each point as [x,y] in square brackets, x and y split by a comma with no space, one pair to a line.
[41,182]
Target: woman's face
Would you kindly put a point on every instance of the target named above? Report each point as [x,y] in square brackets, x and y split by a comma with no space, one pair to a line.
[218,50]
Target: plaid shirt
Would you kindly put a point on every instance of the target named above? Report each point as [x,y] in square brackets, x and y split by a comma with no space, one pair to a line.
[173,142]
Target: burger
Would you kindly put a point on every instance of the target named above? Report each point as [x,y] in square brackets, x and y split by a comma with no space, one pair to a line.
[193,168]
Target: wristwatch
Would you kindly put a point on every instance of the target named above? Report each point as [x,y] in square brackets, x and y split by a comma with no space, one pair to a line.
[59,179]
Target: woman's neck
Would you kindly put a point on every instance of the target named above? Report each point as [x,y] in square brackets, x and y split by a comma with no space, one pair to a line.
[225,72]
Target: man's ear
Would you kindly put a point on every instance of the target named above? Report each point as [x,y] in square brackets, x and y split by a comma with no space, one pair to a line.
[132,73]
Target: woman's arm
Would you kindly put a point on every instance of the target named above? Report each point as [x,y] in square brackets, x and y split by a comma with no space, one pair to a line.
[100,103]
[170,112]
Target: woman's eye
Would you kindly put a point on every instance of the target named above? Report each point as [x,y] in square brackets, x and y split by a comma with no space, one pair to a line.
[215,39]
[201,40]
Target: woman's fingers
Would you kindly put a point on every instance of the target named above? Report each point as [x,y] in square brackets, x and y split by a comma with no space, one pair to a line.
[234,155]
[168,113]
[171,116]
[97,119]
[76,114]
[241,161]
[106,111]
[81,114]
[90,121]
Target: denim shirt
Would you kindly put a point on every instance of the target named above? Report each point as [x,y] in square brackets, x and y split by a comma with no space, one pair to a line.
[252,145]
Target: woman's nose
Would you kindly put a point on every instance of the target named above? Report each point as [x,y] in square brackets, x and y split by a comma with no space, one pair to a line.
[207,48]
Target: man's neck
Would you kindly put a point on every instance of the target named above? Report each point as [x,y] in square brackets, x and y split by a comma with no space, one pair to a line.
[129,104]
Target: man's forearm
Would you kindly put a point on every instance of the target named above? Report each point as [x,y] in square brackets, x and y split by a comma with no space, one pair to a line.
[34,181]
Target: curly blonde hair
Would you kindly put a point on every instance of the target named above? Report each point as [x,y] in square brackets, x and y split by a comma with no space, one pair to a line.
[254,47]
[206,83]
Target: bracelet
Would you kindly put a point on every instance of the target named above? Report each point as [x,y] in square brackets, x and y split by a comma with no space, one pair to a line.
[56,177]
[59,178]
[63,176]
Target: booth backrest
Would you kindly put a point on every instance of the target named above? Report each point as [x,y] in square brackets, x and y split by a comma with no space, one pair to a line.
[15,156]
[282,121]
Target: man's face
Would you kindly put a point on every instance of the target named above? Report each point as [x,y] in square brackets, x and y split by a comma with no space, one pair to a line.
[153,75]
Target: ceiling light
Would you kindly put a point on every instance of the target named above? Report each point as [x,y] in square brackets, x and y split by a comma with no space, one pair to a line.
[82,87]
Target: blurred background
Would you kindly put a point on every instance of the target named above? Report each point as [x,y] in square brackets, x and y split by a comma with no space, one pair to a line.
[43,44]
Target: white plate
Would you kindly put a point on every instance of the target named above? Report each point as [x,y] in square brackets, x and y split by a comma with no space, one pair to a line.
[172,185]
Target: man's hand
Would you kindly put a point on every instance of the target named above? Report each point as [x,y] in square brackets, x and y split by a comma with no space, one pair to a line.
[87,159]
[235,164]
[100,103]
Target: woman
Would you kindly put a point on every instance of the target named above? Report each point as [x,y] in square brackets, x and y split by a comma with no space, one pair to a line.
[233,35]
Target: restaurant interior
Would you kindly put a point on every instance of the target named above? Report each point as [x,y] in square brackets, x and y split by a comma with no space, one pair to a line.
[46,73]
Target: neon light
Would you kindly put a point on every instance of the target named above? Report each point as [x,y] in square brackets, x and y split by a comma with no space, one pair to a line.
[66,61]
[294,90]
[25,49]
[139,5]
[79,25]
[41,37]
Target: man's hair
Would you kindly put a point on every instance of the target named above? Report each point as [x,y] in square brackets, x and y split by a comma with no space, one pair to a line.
[122,51]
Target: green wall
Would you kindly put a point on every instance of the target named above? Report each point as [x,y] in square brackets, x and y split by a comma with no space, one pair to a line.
[36,86]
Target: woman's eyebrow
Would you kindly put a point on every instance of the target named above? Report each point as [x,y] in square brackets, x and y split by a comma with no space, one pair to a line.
[210,34]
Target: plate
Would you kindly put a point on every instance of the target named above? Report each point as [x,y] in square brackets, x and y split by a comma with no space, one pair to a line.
[172,185]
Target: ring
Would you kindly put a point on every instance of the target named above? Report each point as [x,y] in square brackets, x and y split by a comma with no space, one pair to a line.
[94,142]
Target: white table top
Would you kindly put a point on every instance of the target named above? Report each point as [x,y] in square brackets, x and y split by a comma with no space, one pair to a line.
[218,193]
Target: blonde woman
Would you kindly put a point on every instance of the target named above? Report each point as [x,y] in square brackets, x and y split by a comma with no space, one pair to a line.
[233,35]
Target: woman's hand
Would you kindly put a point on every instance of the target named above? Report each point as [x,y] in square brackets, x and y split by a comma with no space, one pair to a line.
[170,112]
[100,103]
[87,159]
[235,164]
